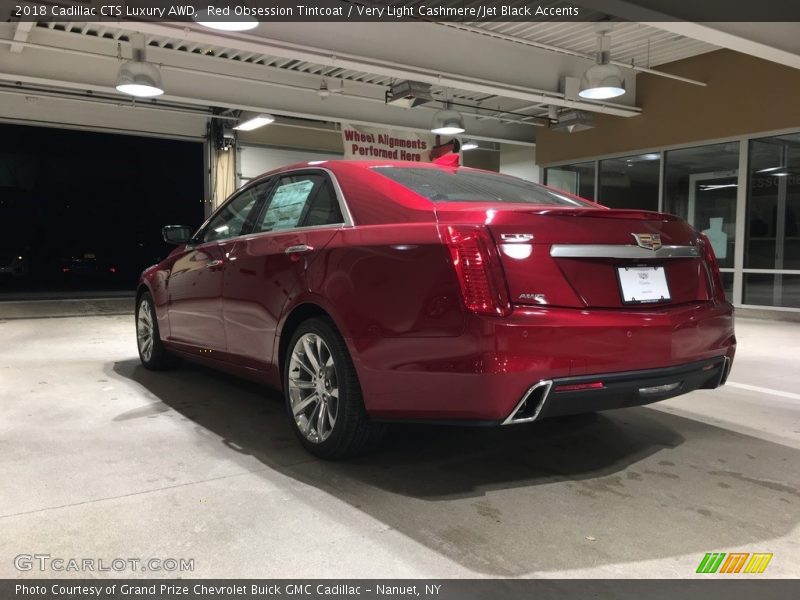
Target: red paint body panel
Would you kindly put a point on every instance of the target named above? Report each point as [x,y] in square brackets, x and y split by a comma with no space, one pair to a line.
[389,284]
[484,373]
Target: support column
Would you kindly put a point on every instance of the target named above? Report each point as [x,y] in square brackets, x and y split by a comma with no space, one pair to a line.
[223,175]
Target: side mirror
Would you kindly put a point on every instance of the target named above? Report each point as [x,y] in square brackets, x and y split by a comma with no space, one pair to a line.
[176,234]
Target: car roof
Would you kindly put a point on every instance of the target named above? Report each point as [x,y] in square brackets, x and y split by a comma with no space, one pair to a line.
[364,165]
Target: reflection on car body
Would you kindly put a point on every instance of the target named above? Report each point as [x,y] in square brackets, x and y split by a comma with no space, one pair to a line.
[378,291]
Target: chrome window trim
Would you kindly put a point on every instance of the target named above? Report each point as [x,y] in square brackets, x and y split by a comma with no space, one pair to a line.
[250,184]
[347,216]
[343,206]
[621,251]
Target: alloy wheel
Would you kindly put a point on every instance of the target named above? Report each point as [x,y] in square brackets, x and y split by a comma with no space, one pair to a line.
[313,388]
[144,330]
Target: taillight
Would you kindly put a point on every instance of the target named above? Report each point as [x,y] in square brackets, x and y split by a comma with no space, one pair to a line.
[718,287]
[478,269]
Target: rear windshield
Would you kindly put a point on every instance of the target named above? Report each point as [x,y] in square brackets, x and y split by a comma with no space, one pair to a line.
[463,185]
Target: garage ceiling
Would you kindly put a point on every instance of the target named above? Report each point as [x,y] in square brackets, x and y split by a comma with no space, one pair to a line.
[509,77]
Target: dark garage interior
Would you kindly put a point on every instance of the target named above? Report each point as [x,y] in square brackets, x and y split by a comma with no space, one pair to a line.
[84,209]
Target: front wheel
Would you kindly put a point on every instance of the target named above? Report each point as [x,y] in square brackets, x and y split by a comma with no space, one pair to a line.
[323,395]
[152,353]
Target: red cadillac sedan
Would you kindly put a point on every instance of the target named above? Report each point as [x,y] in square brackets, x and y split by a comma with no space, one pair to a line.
[372,292]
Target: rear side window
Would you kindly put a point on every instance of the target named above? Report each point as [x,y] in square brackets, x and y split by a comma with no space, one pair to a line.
[305,200]
[461,185]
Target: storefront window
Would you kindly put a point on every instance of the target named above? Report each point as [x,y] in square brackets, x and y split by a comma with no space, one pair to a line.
[773,204]
[630,181]
[772,290]
[575,179]
[700,185]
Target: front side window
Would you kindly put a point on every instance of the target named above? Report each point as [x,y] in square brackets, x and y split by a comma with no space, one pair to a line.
[462,185]
[300,201]
[231,220]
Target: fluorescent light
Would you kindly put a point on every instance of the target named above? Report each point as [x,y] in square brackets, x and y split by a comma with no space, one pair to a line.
[219,22]
[602,92]
[717,186]
[139,90]
[137,77]
[447,122]
[602,80]
[255,122]
[770,169]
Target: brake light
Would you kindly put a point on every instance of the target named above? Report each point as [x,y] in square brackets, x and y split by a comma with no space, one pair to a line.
[478,269]
[717,286]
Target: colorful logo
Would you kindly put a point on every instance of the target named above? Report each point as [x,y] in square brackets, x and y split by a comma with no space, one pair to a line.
[734,562]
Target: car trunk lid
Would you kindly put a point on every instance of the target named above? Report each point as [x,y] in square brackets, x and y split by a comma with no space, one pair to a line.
[572,256]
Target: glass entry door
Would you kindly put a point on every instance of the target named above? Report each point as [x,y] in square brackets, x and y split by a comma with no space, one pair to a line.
[712,210]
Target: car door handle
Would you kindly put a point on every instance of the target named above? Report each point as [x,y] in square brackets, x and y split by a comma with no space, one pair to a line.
[214,265]
[299,249]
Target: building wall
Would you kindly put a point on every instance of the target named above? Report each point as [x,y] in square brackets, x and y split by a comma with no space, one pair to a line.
[519,161]
[488,160]
[744,95]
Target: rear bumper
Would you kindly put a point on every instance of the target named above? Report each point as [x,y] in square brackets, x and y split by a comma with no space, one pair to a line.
[590,393]
[483,374]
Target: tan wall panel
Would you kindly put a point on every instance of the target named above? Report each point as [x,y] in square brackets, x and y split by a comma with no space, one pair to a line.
[744,95]
[294,137]
[223,167]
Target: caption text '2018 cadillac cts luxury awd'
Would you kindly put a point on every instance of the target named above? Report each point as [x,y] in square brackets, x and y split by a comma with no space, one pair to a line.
[372,291]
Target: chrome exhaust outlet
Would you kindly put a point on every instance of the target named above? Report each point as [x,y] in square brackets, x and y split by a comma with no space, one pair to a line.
[724,371]
[531,404]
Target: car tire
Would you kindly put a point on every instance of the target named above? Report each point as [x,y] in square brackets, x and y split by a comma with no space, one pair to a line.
[152,353]
[323,395]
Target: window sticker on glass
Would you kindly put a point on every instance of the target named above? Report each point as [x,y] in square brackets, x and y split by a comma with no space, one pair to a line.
[287,205]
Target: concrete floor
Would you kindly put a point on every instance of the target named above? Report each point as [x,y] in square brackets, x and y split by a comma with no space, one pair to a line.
[102,459]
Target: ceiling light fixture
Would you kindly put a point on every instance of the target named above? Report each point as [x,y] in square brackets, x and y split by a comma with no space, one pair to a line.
[572,121]
[255,122]
[137,77]
[408,94]
[323,91]
[602,80]
[223,23]
[447,121]
[469,145]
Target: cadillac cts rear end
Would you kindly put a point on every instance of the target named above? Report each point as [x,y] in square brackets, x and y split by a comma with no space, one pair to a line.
[570,307]
[373,292]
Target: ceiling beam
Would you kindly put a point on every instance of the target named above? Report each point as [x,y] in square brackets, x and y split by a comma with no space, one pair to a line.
[775,42]
[21,33]
[716,34]
[332,58]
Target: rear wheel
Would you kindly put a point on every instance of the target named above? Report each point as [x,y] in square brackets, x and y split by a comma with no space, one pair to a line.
[323,395]
[152,353]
